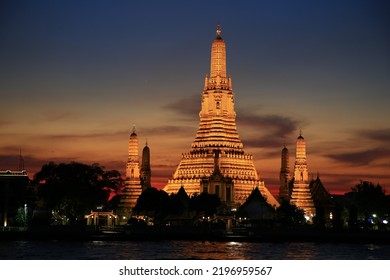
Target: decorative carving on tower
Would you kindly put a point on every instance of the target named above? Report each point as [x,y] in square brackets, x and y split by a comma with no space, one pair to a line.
[217,131]
[133,188]
[285,177]
[301,195]
[218,184]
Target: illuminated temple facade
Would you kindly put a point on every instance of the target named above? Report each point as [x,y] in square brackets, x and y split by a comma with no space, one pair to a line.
[137,179]
[217,162]
[301,194]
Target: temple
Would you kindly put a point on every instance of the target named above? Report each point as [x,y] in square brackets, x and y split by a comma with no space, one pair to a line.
[285,177]
[217,143]
[301,195]
[145,172]
[133,187]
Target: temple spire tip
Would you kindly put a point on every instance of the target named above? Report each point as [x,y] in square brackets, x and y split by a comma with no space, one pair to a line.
[219,31]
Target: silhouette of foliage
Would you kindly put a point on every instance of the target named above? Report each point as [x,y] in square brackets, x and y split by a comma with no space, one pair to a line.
[152,202]
[205,203]
[73,189]
[370,199]
[289,214]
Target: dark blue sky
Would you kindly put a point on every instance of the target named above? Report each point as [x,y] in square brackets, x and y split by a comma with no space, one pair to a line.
[75,76]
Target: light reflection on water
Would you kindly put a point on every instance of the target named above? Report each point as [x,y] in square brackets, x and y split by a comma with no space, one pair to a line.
[146,250]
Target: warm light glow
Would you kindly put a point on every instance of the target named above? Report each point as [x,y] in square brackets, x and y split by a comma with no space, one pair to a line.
[90,131]
[301,195]
[217,147]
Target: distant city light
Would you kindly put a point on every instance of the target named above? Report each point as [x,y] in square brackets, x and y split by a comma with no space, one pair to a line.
[385,222]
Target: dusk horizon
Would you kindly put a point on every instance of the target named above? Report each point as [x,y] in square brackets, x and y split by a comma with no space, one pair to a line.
[75,78]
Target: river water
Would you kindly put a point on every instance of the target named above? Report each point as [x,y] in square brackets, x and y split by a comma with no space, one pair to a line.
[151,250]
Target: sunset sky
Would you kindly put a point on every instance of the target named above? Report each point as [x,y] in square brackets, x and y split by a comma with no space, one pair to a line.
[76,75]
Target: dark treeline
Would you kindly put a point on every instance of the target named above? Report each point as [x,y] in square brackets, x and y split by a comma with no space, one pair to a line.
[66,192]
[74,189]
[71,190]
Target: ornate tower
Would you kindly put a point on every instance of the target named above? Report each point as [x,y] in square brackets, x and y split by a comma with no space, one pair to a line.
[218,184]
[133,188]
[145,168]
[217,131]
[285,178]
[301,194]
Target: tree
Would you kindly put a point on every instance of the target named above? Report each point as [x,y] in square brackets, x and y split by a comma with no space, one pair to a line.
[289,214]
[154,203]
[369,199]
[205,203]
[73,189]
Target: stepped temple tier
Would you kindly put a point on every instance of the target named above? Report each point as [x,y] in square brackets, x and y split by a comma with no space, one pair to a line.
[217,162]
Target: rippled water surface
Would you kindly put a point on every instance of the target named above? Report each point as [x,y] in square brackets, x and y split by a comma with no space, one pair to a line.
[145,250]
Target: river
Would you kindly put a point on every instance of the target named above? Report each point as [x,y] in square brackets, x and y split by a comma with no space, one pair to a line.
[150,250]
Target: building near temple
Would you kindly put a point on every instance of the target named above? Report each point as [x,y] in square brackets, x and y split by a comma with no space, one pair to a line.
[101,218]
[217,139]
[12,188]
[323,201]
[218,184]
[136,180]
[256,208]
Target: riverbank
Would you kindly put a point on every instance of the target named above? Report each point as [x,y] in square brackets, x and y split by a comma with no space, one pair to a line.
[198,234]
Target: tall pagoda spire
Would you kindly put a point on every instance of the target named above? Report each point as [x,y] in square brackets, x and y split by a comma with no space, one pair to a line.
[219,31]
[284,188]
[218,131]
[218,56]
[133,188]
[133,147]
[301,195]
[145,168]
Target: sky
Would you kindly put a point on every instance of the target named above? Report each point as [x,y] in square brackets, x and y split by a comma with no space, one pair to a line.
[76,75]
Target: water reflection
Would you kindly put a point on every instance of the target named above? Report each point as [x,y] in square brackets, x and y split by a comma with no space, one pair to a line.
[148,250]
[301,251]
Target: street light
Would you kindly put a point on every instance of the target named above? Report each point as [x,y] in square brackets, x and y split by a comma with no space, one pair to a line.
[25,214]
